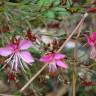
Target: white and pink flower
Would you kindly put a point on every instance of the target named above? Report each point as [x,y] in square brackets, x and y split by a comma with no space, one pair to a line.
[18,56]
[53,60]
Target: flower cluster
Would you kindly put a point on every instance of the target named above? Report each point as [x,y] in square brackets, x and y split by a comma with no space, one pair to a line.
[19,58]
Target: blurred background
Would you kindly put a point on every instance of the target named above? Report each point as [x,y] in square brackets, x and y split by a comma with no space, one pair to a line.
[43,21]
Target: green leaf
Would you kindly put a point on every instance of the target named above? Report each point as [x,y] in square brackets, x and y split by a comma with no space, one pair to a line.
[17,93]
[50,14]
[35,52]
[63,13]
[59,9]
[69,3]
[57,2]
[45,2]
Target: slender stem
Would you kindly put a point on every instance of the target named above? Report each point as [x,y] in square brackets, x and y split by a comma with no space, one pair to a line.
[30,81]
[74,80]
[81,21]
[74,71]
[31,85]
[73,85]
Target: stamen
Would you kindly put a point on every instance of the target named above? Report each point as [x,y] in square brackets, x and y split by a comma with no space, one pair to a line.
[16,64]
[13,63]
[21,64]
[25,65]
[9,59]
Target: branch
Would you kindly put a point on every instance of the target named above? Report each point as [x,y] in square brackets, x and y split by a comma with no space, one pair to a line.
[62,46]
[30,81]
[79,24]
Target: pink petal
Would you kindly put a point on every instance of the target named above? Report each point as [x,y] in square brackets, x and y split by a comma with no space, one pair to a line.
[26,56]
[90,41]
[25,44]
[61,64]
[93,35]
[93,53]
[59,56]
[5,51]
[46,58]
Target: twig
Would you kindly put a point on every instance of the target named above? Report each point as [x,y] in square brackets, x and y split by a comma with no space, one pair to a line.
[73,85]
[75,63]
[83,18]
[30,81]
[31,85]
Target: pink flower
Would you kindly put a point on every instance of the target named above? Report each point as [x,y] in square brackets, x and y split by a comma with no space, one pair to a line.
[92,39]
[92,42]
[54,60]
[18,56]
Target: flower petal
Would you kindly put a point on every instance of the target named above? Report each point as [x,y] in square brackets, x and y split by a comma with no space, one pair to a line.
[61,64]
[46,58]
[52,66]
[5,51]
[26,56]
[92,39]
[93,35]
[59,56]
[93,53]
[25,44]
